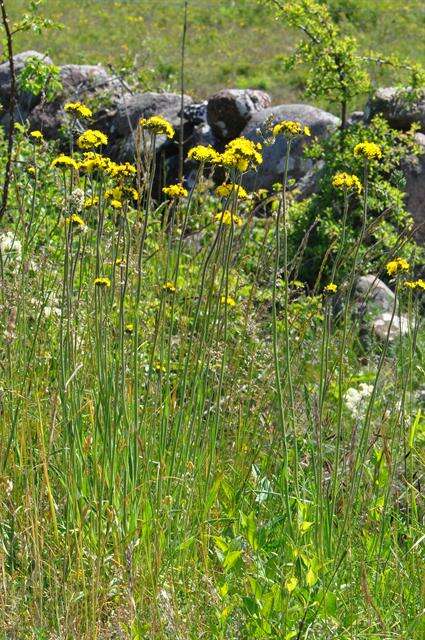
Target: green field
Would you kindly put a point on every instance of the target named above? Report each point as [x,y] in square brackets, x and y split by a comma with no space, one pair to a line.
[231,43]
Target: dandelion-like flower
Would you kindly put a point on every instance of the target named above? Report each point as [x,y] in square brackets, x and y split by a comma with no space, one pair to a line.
[175,191]
[91,138]
[330,288]
[228,300]
[347,182]
[125,170]
[157,125]
[93,161]
[204,154]
[225,190]
[290,129]
[116,204]
[64,162]
[37,136]
[78,109]
[169,286]
[91,201]
[227,218]
[76,221]
[396,266]
[102,282]
[129,328]
[415,284]
[241,154]
[368,151]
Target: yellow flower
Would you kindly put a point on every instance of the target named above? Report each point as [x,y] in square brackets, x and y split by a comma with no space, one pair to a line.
[415,284]
[290,129]
[37,135]
[92,201]
[227,217]
[78,109]
[102,282]
[231,302]
[346,181]
[62,161]
[116,204]
[175,191]
[125,170]
[94,162]
[396,266]
[368,151]
[203,154]
[129,328]
[159,368]
[91,138]
[157,125]
[169,286]
[291,584]
[224,191]
[330,288]
[241,154]
[76,221]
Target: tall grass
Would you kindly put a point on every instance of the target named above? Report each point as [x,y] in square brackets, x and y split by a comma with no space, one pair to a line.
[177,456]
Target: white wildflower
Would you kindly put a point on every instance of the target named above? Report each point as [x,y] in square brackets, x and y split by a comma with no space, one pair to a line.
[10,248]
[356,400]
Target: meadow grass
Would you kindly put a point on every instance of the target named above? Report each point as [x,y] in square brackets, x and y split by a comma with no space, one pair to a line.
[192,445]
[231,43]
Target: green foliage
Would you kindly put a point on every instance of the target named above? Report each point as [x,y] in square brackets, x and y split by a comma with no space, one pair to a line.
[386,204]
[40,78]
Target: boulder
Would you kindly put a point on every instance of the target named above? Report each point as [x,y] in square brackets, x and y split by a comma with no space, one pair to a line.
[321,124]
[229,110]
[24,101]
[398,110]
[414,172]
[375,307]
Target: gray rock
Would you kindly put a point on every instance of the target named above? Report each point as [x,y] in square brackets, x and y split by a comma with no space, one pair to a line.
[396,109]
[375,306]
[321,123]
[414,171]
[229,110]
[25,101]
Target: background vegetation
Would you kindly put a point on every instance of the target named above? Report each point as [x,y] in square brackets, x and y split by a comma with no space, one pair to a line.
[234,43]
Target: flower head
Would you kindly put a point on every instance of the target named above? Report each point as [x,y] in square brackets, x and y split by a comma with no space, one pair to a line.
[129,328]
[204,154]
[94,162]
[37,136]
[91,201]
[169,286]
[76,221]
[415,284]
[78,109]
[368,151]
[157,125]
[346,182]
[397,266]
[241,154]
[290,129]
[330,288]
[225,190]
[175,191]
[102,282]
[227,218]
[64,162]
[228,300]
[125,170]
[91,138]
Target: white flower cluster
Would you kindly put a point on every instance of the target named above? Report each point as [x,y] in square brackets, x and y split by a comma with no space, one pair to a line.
[356,400]
[10,248]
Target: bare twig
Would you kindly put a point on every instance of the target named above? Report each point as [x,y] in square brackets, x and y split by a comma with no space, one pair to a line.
[182,89]
[12,103]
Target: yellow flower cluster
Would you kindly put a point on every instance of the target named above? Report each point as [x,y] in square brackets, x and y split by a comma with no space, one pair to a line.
[64,162]
[330,288]
[225,190]
[203,154]
[118,195]
[175,191]
[91,138]
[76,221]
[227,218]
[241,154]
[158,126]
[78,109]
[169,286]
[368,151]
[94,162]
[415,284]
[92,201]
[231,302]
[397,266]
[290,129]
[36,135]
[346,181]
[102,282]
